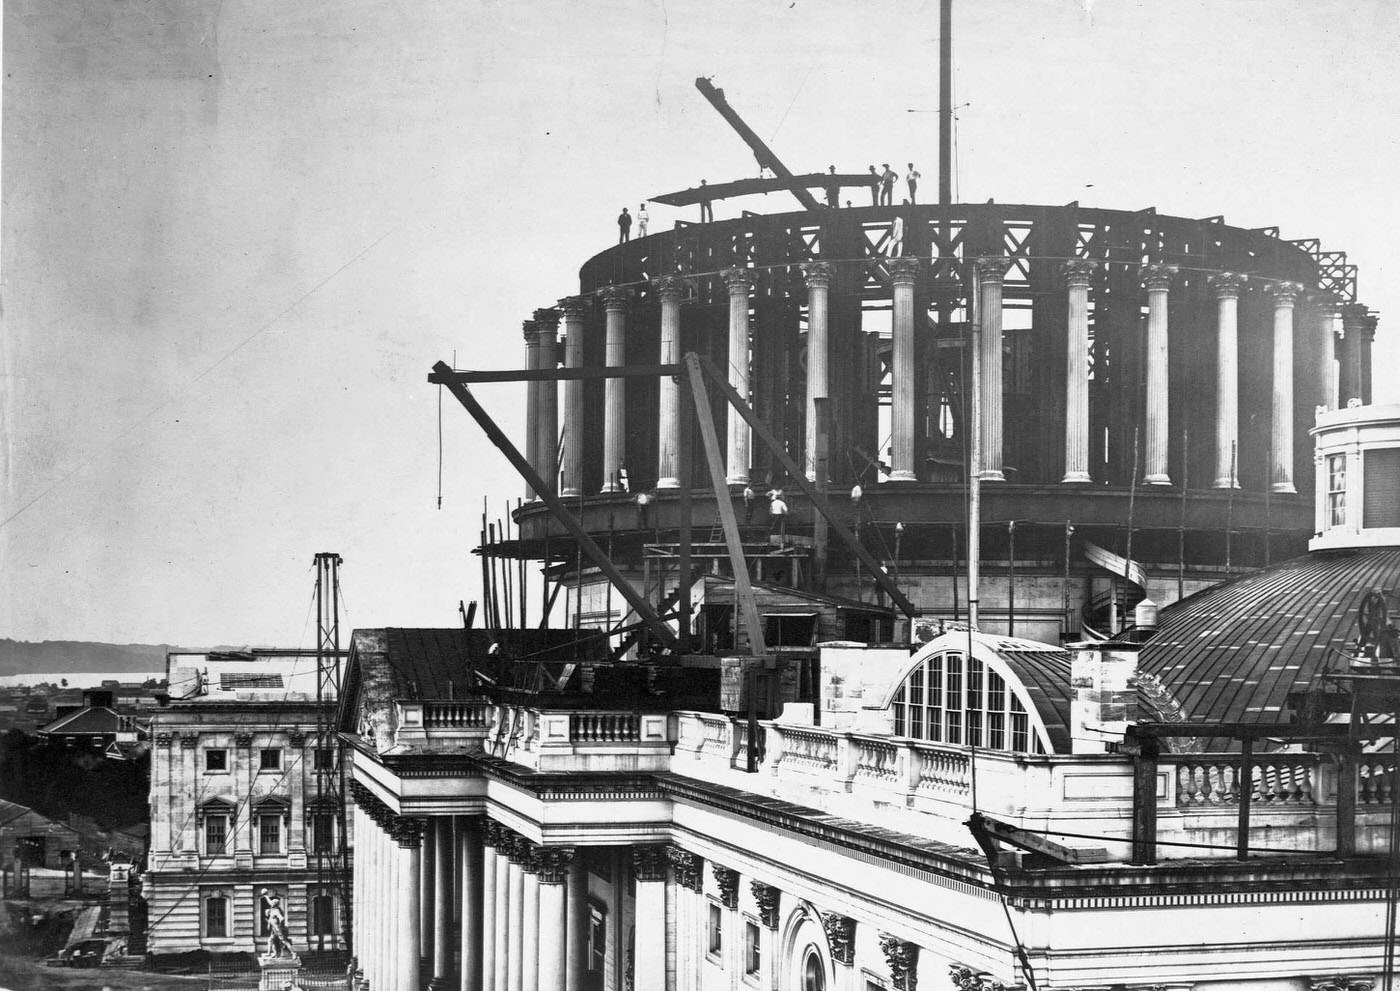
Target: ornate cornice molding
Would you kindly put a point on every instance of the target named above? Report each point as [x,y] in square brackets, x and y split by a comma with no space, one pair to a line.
[615,297]
[903,961]
[1227,285]
[817,275]
[553,863]
[1079,271]
[991,268]
[649,863]
[766,896]
[904,270]
[841,934]
[689,868]
[728,880]
[1158,277]
[738,281]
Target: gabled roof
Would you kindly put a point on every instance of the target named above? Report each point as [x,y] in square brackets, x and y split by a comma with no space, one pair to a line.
[10,811]
[95,721]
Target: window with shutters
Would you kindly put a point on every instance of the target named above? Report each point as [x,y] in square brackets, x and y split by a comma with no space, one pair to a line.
[1380,505]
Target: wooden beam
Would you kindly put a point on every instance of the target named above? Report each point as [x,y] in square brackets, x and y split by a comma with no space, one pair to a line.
[595,554]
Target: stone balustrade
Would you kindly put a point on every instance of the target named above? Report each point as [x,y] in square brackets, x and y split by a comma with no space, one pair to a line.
[475,714]
[1277,779]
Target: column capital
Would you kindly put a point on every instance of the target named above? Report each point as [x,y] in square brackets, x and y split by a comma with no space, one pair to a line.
[671,287]
[649,863]
[841,934]
[493,834]
[554,863]
[614,297]
[904,270]
[243,740]
[966,979]
[1158,277]
[766,896]
[407,831]
[547,319]
[1285,294]
[817,275]
[903,960]
[163,740]
[991,268]
[689,868]
[1227,285]
[1327,304]
[574,306]
[737,280]
[1079,271]
[531,332]
[1341,983]
[728,881]
[517,848]
[188,740]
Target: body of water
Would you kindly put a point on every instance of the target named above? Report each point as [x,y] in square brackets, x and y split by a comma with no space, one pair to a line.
[78,679]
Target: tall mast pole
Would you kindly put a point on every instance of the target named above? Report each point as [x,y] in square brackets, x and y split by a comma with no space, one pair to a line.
[945,102]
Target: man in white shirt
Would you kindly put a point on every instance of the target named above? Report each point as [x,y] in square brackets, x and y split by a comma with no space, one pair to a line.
[912,178]
[642,220]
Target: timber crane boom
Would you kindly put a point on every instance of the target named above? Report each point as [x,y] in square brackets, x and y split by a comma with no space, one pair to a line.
[764,154]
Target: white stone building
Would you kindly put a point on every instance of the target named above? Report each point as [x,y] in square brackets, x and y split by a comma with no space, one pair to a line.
[242,805]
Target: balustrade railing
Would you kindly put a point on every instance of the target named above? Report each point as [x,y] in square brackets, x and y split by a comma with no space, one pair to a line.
[876,760]
[1375,779]
[605,727]
[1212,780]
[941,772]
[808,749]
[456,715]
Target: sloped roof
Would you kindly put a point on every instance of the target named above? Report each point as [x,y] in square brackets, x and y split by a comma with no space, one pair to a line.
[1232,653]
[11,810]
[97,720]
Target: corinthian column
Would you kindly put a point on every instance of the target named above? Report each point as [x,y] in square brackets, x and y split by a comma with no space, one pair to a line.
[408,943]
[553,882]
[903,272]
[1157,279]
[614,394]
[1349,361]
[738,282]
[1329,324]
[991,269]
[1285,293]
[649,962]
[573,308]
[530,920]
[547,398]
[1226,287]
[817,275]
[670,290]
[1078,273]
[532,404]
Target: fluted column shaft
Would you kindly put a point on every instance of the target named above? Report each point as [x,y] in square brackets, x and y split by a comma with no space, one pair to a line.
[503,918]
[670,290]
[1330,325]
[1158,279]
[572,310]
[408,949]
[1226,287]
[532,403]
[473,890]
[427,888]
[614,389]
[359,866]
[817,275]
[649,959]
[738,282]
[547,398]
[903,272]
[991,270]
[1285,293]
[576,921]
[530,925]
[1078,274]
[515,935]
[442,901]
[490,884]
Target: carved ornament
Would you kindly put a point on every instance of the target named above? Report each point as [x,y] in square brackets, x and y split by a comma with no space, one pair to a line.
[1341,983]
[903,271]
[163,740]
[688,867]
[407,831]
[1286,293]
[841,934]
[1079,271]
[531,332]
[1157,277]
[573,307]
[188,740]
[903,961]
[728,881]
[991,268]
[649,863]
[547,319]
[1227,285]
[670,287]
[244,740]
[296,738]
[554,864]
[767,898]
[817,275]
[737,280]
[615,297]
[967,979]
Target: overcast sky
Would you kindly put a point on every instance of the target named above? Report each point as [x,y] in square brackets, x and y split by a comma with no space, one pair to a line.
[236,236]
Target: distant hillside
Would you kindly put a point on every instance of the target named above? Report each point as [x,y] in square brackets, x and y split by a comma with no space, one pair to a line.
[58,656]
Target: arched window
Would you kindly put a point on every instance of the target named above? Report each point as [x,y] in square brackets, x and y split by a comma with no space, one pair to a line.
[951,698]
[813,971]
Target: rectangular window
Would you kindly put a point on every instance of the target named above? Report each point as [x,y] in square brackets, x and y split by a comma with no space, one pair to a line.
[1020,727]
[270,834]
[752,950]
[1336,489]
[716,929]
[900,722]
[935,699]
[270,760]
[216,760]
[916,703]
[216,917]
[597,939]
[974,702]
[996,711]
[215,835]
[323,833]
[955,699]
[322,916]
[324,759]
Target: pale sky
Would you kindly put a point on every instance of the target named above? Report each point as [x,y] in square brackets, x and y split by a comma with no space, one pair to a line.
[237,235]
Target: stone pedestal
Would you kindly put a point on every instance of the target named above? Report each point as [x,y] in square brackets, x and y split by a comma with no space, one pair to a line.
[277,971]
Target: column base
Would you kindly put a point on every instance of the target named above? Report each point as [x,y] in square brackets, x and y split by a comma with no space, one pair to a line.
[570,493]
[439,984]
[991,475]
[1284,488]
[1075,478]
[1156,480]
[668,483]
[741,480]
[903,475]
[610,487]
[1225,483]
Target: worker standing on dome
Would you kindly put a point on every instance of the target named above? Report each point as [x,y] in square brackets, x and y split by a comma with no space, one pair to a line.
[874,187]
[624,226]
[887,179]
[707,211]
[913,179]
[642,219]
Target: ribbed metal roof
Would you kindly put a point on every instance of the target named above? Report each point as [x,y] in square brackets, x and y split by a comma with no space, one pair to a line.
[1232,653]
